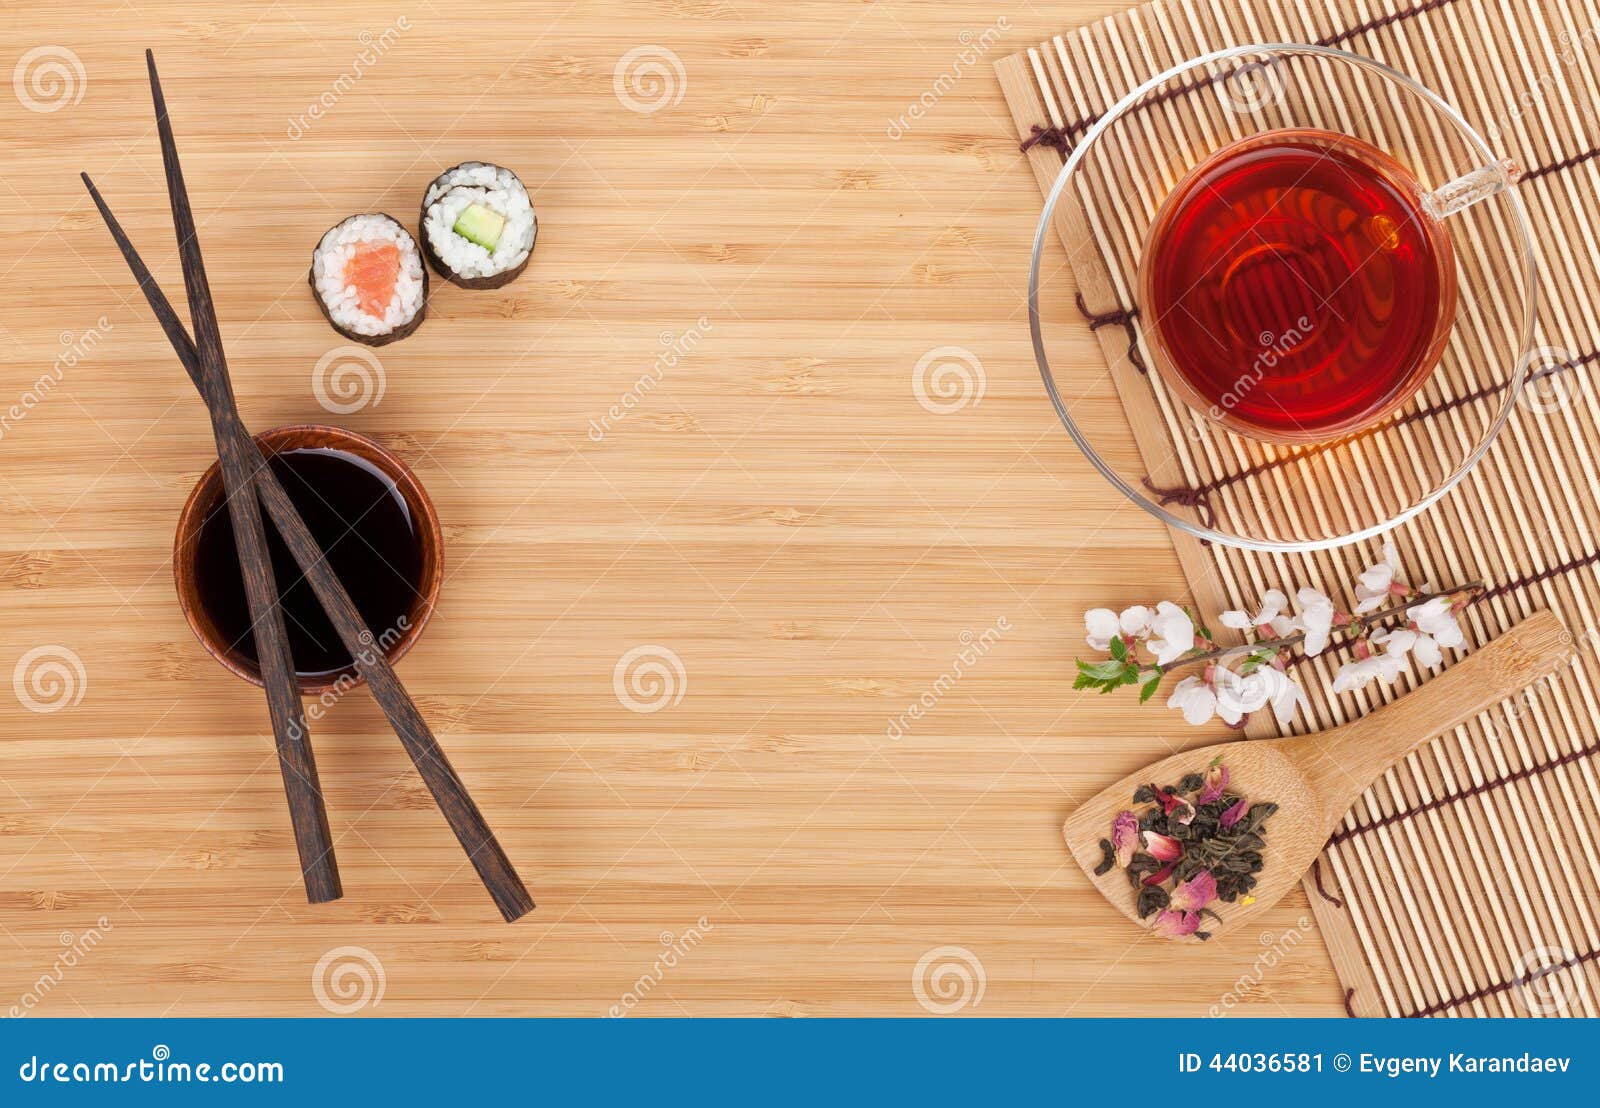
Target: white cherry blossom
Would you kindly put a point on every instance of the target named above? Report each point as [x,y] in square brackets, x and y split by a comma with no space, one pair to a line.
[1101,625]
[1436,618]
[1284,694]
[1167,629]
[1271,617]
[1315,619]
[1249,692]
[1195,699]
[1427,651]
[1434,629]
[1237,696]
[1361,672]
[1403,640]
[1400,641]
[1171,633]
[1134,621]
[1170,638]
[1375,584]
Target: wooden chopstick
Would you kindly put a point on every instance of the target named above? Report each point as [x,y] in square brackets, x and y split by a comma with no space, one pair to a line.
[462,814]
[307,812]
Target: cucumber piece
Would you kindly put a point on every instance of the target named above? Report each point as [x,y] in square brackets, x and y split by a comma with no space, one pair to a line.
[481,225]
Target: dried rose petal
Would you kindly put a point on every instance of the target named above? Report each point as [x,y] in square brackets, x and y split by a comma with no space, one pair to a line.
[1160,876]
[1163,848]
[1234,814]
[1173,803]
[1172,924]
[1195,893]
[1125,837]
[1216,781]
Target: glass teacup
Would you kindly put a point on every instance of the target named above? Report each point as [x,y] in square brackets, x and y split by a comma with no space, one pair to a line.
[1224,462]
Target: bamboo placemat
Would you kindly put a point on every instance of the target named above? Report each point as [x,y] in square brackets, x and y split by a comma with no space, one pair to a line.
[1466,881]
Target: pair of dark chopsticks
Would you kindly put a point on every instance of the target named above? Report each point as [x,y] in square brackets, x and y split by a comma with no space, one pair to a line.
[247,477]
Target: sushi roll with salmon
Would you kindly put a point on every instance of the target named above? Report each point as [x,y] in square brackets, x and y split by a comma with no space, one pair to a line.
[478,225]
[368,278]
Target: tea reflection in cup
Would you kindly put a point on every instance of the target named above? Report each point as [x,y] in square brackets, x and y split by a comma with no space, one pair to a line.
[1296,287]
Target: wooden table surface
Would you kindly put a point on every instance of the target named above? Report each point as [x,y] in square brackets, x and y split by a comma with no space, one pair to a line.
[776,516]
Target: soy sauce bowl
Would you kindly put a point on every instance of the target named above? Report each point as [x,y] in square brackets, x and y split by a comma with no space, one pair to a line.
[206,497]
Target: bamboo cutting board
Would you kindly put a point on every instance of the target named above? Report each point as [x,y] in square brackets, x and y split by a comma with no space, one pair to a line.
[820,543]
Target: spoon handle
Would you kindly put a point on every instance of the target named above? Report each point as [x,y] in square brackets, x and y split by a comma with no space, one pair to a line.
[1341,763]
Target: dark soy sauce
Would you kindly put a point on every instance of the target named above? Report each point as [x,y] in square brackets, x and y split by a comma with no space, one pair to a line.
[364,526]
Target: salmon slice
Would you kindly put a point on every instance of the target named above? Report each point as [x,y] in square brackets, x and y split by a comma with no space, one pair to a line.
[372,271]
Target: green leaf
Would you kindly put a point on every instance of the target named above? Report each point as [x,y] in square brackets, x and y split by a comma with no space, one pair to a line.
[1104,671]
[1119,649]
[1199,624]
[1147,687]
[1256,659]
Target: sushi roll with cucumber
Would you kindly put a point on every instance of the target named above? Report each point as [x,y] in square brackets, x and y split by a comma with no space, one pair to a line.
[368,278]
[478,225]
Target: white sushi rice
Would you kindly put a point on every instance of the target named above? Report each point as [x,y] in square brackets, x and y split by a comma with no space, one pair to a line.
[334,252]
[495,188]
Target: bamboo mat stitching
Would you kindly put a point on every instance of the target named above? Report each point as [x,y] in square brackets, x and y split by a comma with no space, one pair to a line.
[1060,137]
[1589,749]
[1198,494]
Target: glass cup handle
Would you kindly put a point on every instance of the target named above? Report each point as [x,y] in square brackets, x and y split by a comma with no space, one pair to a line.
[1466,190]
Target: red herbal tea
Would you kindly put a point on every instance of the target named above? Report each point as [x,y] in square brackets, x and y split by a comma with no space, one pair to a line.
[1294,289]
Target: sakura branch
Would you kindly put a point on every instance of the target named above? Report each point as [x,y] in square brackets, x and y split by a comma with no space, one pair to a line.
[1146,644]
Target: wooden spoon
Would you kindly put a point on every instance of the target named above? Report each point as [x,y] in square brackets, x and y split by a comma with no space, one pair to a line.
[1314,779]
